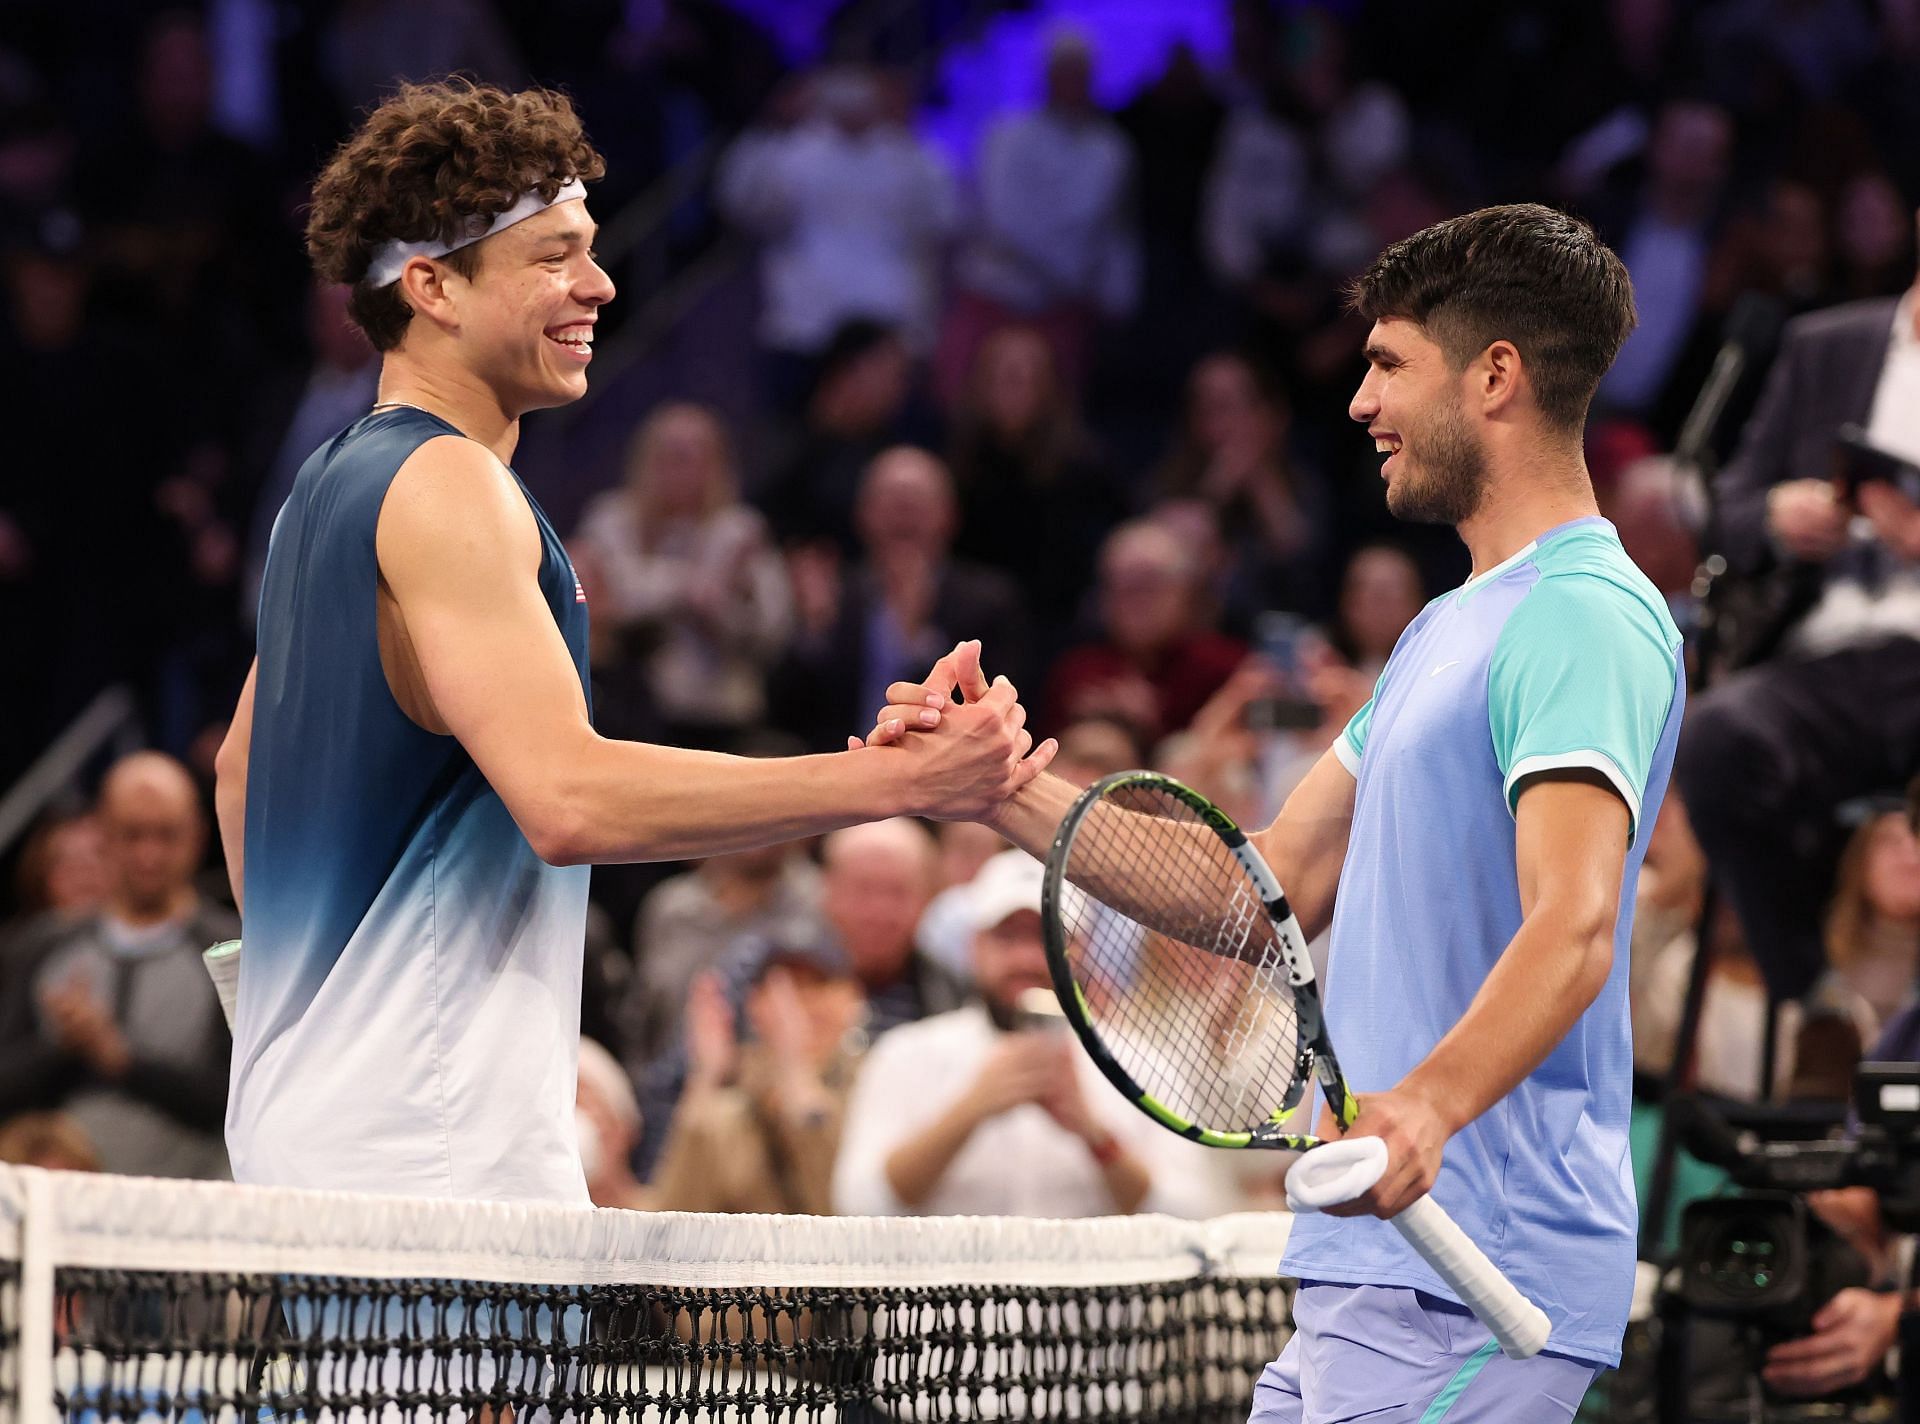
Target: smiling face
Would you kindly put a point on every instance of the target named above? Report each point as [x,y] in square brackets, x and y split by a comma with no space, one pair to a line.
[526,317]
[1413,403]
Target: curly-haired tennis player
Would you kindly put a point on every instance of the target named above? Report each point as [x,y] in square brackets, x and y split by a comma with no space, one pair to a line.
[412,787]
[1473,838]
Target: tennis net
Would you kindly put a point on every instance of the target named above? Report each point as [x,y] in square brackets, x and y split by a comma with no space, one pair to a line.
[132,1299]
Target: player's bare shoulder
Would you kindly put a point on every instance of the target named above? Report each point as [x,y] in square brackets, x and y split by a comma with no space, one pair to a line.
[453,507]
[454,533]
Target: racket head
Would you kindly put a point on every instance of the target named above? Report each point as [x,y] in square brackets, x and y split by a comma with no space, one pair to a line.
[1208,1021]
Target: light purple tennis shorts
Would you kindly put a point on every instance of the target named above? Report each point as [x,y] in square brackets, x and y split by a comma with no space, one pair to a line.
[1388,1355]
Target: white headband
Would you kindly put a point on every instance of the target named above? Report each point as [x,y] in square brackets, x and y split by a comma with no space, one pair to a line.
[393,257]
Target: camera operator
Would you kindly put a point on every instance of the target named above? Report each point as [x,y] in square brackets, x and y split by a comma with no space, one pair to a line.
[1766,755]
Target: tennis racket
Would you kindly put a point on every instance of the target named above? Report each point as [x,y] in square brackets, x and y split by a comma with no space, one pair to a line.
[1179,964]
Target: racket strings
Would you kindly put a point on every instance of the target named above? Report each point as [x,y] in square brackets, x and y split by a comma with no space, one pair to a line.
[1180,965]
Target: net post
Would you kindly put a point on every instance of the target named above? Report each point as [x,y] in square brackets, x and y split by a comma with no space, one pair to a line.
[33,1373]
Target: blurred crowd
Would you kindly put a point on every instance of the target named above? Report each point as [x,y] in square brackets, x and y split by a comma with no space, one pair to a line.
[1081,395]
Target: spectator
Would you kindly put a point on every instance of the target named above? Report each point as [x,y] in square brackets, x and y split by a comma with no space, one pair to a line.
[973,1113]
[1017,445]
[852,210]
[61,879]
[1097,746]
[760,1121]
[861,403]
[1872,238]
[878,881]
[690,577]
[299,414]
[128,1037]
[1065,265]
[1648,505]
[62,867]
[1273,511]
[1665,237]
[607,1120]
[1873,924]
[370,46]
[1156,665]
[690,923]
[907,602]
[1379,596]
[52,1141]
[1767,754]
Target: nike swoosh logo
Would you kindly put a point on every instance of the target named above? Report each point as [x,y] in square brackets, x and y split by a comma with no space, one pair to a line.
[1443,667]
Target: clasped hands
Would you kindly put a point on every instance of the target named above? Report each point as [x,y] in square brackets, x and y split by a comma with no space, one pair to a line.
[970,758]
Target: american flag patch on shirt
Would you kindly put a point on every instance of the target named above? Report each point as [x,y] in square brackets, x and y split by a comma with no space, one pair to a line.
[579,592]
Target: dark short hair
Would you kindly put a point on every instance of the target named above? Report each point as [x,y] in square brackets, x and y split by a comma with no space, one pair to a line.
[1521,273]
[426,162]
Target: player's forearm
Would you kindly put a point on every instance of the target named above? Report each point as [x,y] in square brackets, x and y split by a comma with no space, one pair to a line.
[619,802]
[1551,971]
[1031,818]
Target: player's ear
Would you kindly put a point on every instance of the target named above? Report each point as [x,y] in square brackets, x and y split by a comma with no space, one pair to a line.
[425,287]
[1497,376]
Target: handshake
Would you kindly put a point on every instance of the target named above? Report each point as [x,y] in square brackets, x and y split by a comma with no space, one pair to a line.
[959,761]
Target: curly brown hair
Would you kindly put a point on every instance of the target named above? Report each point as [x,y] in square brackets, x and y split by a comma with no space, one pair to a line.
[426,164]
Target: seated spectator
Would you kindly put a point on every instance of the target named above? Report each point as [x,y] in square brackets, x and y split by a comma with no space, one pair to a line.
[1873,238]
[50,1140]
[1380,594]
[607,1121]
[1827,711]
[861,403]
[123,1029]
[975,1113]
[61,878]
[1731,1042]
[760,1121]
[1873,925]
[905,603]
[1235,455]
[876,884]
[1017,445]
[689,923]
[1157,664]
[689,577]
[1064,265]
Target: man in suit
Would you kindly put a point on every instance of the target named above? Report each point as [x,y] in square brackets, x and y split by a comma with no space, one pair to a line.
[864,628]
[1768,754]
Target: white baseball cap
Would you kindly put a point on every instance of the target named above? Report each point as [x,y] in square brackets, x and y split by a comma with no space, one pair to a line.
[1008,882]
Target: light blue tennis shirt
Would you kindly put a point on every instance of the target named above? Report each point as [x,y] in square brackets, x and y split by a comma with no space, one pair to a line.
[1563,656]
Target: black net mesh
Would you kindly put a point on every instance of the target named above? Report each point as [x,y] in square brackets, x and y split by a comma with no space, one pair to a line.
[190,1346]
[1177,960]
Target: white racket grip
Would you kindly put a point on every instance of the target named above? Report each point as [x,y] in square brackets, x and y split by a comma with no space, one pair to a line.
[1516,1322]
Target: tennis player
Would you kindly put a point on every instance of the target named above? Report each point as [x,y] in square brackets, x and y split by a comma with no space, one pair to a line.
[411,785]
[1482,818]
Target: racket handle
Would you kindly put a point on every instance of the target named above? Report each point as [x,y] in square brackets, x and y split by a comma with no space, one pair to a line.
[1516,1322]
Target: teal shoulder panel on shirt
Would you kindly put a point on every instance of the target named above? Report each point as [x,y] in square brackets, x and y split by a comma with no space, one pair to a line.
[1585,669]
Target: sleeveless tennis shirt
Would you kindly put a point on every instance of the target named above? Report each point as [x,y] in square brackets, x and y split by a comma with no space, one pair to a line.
[409,1001]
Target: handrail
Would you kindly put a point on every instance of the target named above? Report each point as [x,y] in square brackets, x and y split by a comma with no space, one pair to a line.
[113,716]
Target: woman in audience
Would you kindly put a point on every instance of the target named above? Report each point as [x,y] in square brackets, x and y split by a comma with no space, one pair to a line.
[759,1123]
[1017,446]
[1234,454]
[1873,925]
[691,577]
